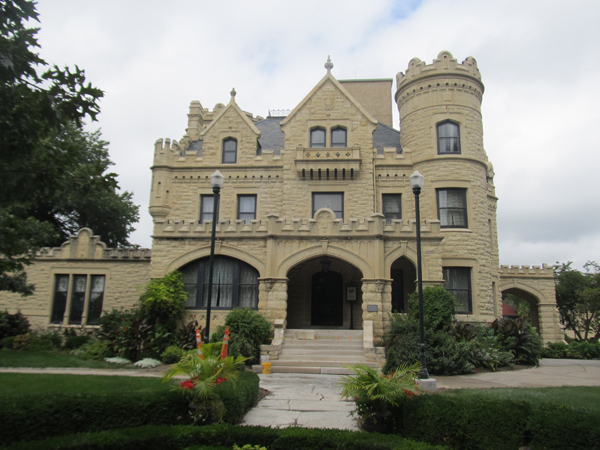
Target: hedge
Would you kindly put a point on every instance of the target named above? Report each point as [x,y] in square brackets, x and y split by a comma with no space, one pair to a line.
[27,417]
[489,424]
[224,436]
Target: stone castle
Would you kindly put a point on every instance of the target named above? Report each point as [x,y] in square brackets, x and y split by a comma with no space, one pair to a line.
[316,226]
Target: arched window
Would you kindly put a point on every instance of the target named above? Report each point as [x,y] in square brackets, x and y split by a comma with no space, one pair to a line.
[448,136]
[235,284]
[229,151]
[338,137]
[317,137]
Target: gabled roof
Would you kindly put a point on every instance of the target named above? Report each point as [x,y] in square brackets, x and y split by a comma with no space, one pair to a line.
[271,135]
[329,77]
[385,136]
[232,105]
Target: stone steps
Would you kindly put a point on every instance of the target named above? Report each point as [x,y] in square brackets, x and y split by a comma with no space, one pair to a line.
[319,351]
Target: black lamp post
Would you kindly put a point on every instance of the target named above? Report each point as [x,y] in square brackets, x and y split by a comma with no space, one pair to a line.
[416,183]
[216,181]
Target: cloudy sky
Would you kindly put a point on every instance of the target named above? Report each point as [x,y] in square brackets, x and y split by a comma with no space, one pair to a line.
[540,63]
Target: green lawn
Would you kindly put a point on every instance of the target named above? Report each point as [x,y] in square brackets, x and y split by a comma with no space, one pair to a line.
[21,383]
[15,358]
[584,397]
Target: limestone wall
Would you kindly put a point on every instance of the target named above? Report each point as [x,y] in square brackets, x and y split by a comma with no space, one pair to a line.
[126,271]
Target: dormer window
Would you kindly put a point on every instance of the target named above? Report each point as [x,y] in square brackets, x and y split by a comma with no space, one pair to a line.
[229,151]
[317,137]
[448,137]
[338,137]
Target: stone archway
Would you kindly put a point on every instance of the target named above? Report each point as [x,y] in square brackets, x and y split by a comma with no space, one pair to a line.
[531,300]
[318,287]
[403,274]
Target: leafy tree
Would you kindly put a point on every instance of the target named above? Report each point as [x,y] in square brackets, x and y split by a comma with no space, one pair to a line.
[523,308]
[439,307]
[578,299]
[53,173]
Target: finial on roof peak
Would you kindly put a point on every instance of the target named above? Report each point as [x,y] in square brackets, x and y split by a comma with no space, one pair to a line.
[233,92]
[328,64]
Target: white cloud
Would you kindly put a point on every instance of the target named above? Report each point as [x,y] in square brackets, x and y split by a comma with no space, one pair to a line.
[539,62]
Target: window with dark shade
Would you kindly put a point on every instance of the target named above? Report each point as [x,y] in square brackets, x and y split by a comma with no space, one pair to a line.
[332,200]
[77,299]
[229,151]
[59,305]
[457,281]
[86,292]
[448,136]
[247,207]
[317,137]
[452,208]
[338,137]
[392,207]
[235,284]
[96,299]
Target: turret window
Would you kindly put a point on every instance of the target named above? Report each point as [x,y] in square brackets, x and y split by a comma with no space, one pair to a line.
[448,136]
[317,137]
[392,207]
[457,281]
[338,137]
[229,151]
[452,208]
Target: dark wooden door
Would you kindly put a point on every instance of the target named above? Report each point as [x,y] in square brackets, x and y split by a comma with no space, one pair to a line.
[398,290]
[327,299]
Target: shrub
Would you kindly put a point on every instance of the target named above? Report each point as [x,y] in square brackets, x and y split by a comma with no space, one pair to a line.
[164,299]
[21,341]
[172,354]
[224,437]
[96,350]
[73,342]
[40,343]
[439,307]
[575,350]
[7,342]
[13,324]
[239,397]
[520,338]
[248,330]
[490,424]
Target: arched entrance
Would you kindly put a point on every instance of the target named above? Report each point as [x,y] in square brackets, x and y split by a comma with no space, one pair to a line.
[403,275]
[318,295]
[530,299]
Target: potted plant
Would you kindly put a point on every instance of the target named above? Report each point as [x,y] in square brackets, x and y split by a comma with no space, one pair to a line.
[204,373]
[374,392]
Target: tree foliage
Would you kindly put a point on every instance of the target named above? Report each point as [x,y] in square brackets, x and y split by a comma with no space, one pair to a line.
[53,173]
[578,299]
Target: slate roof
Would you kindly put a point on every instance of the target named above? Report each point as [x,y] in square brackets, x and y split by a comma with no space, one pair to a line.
[271,136]
[196,146]
[385,136]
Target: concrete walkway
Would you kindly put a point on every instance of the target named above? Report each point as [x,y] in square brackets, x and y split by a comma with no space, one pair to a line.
[306,400]
[313,400]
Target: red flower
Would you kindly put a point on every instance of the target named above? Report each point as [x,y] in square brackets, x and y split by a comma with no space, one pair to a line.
[188,384]
[410,394]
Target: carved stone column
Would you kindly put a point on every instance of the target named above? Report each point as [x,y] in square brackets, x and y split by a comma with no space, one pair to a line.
[272,298]
[377,303]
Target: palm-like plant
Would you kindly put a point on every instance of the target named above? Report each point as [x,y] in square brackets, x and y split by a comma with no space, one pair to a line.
[206,372]
[374,392]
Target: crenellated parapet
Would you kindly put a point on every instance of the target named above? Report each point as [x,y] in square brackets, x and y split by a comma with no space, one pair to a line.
[444,73]
[86,246]
[323,225]
[545,271]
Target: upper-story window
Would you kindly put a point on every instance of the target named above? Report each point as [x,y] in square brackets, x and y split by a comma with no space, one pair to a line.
[332,200]
[229,151]
[392,207]
[338,137]
[452,208]
[207,205]
[448,136]
[317,137]
[246,207]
